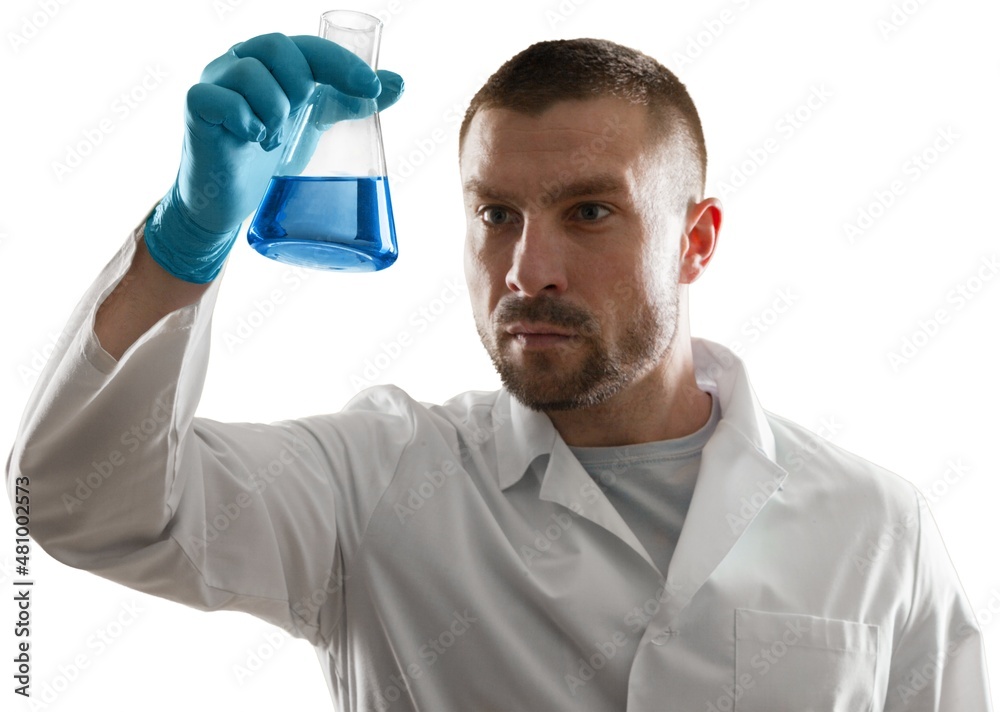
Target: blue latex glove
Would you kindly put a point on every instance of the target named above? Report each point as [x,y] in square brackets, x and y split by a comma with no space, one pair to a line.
[235,120]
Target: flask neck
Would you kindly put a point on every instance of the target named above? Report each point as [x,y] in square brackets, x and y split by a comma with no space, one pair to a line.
[358,32]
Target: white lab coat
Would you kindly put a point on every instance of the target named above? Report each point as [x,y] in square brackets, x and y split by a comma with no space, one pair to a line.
[458,557]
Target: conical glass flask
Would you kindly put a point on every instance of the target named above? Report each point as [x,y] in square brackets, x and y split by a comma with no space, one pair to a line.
[327,205]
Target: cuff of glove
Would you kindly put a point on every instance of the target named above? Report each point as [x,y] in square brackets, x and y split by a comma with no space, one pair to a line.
[181,247]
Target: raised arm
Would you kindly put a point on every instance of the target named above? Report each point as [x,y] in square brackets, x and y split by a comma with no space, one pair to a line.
[124,480]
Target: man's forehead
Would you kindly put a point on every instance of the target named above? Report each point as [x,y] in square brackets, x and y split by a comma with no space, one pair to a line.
[602,120]
[590,145]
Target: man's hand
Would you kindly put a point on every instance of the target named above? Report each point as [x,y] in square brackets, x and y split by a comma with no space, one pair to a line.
[236,118]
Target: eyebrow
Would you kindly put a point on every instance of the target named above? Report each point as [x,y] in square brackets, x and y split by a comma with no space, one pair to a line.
[599,184]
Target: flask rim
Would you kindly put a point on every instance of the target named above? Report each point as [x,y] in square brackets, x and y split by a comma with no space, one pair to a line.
[341,19]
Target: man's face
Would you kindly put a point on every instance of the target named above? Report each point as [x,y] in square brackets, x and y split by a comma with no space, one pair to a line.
[572,249]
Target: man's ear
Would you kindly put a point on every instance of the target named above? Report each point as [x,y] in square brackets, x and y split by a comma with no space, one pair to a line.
[699,239]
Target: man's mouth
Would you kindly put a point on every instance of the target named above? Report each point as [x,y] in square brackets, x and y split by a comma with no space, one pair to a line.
[538,335]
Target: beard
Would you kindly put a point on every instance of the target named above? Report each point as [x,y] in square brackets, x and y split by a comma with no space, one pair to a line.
[586,371]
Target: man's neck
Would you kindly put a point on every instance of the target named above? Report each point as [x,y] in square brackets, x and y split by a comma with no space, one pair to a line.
[663,405]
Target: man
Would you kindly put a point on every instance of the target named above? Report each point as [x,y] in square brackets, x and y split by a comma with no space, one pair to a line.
[621,527]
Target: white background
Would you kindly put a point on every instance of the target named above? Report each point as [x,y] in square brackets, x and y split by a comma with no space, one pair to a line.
[824,362]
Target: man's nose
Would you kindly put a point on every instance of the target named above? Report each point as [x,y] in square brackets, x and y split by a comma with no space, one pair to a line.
[538,263]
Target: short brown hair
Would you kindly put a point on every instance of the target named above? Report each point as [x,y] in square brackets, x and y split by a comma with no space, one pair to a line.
[557,70]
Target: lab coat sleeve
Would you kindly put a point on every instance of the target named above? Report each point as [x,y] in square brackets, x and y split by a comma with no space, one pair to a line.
[938,659]
[125,482]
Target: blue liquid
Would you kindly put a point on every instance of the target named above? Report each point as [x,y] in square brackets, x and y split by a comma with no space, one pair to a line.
[335,223]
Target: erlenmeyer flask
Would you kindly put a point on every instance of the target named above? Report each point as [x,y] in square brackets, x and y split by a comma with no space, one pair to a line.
[327,205]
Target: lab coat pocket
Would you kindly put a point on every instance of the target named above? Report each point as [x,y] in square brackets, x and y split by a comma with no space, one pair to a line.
[801,663]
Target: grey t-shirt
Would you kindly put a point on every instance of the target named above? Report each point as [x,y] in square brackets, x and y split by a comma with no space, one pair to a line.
[651,484]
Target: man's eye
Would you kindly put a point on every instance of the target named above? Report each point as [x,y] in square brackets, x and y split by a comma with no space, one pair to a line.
[495,215]
[592,211]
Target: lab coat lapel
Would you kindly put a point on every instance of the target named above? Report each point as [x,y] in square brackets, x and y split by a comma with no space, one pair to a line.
[738,476]
[735,482]
[529,435]
[566,482]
